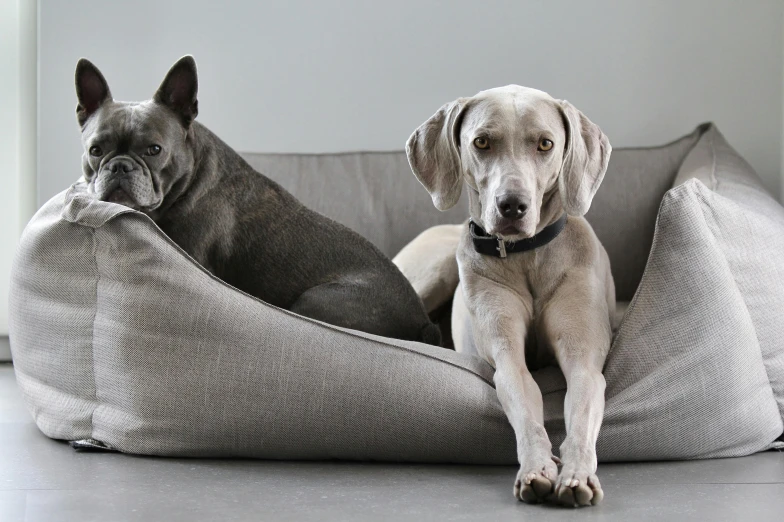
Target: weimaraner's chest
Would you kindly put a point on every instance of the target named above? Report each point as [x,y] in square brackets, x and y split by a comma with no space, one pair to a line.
[529,278]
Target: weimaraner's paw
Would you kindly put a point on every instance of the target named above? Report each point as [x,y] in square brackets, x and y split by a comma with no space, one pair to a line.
[535,480]
[575,488]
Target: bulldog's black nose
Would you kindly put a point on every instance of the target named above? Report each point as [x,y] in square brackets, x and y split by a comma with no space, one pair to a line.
[511,206]
[121,165]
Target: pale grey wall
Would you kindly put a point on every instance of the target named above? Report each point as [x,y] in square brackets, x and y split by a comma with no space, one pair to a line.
[17,138]
[336,76]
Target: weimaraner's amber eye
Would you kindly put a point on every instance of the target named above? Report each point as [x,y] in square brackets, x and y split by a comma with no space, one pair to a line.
[482,143]
[545,145]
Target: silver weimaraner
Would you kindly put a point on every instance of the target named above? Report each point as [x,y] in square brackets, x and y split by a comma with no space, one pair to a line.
[535,282]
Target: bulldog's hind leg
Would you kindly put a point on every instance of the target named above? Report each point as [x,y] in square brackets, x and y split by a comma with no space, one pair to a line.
[363,307]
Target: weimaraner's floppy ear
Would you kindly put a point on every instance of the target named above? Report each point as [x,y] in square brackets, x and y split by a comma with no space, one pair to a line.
[92,91]
[586,155]
[433,152]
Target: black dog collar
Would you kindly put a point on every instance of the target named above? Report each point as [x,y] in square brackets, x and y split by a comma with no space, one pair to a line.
[489,245]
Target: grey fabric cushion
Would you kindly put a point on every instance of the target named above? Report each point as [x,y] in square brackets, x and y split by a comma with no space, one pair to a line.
[746,225]
[117,335]
[374,193]
[686,361]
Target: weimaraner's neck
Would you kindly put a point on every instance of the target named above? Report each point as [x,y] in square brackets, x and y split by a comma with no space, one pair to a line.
[552,208]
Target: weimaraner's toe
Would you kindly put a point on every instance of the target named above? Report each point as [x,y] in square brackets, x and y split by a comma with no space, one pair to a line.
[535,483]
[578,489]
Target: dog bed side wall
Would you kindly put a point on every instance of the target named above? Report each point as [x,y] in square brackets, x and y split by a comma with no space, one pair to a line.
[52,310]
[159,357]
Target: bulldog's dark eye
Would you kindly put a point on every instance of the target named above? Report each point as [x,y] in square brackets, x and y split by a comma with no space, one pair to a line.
[482,143]
[153,150]
[545,145]
[95,150]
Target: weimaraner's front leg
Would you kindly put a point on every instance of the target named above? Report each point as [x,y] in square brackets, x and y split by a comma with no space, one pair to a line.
[500,319]
[579,333]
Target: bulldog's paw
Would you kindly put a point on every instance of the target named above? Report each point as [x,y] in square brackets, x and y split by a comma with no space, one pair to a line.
[576,487]
[536,479]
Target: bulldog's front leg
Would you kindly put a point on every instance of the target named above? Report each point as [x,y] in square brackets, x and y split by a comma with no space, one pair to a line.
[500,319]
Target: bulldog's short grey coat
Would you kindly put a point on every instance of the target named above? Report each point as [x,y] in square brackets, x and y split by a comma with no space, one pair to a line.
[240,225]
[526,158]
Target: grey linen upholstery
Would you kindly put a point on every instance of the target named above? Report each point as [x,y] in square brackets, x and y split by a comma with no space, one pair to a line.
[374,193]
[118,336]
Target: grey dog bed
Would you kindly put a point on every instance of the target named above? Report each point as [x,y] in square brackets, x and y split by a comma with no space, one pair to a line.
[119,337]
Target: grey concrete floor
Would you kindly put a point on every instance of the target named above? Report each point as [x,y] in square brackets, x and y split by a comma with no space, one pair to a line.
[45,480]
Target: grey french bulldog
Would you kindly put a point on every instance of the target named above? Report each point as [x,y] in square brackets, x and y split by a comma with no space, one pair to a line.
[240,225]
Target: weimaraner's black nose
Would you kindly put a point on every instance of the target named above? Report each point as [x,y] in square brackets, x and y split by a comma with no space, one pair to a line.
[511,206]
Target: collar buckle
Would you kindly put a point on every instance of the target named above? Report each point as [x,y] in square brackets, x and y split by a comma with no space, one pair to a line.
[501,248]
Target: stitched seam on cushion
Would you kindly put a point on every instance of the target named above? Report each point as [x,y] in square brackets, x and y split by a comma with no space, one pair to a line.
[714,179]
[92,336]
[737,288]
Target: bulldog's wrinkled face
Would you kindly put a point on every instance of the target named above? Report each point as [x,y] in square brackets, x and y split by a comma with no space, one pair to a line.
[134,153]
[512,144]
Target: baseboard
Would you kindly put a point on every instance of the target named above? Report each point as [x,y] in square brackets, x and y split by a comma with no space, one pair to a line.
[5,349]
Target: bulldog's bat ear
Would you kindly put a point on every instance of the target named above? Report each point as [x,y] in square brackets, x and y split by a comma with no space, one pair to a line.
[179,88]
[92,91]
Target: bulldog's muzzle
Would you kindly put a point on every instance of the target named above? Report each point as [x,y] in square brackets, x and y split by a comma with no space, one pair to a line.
[123,180]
